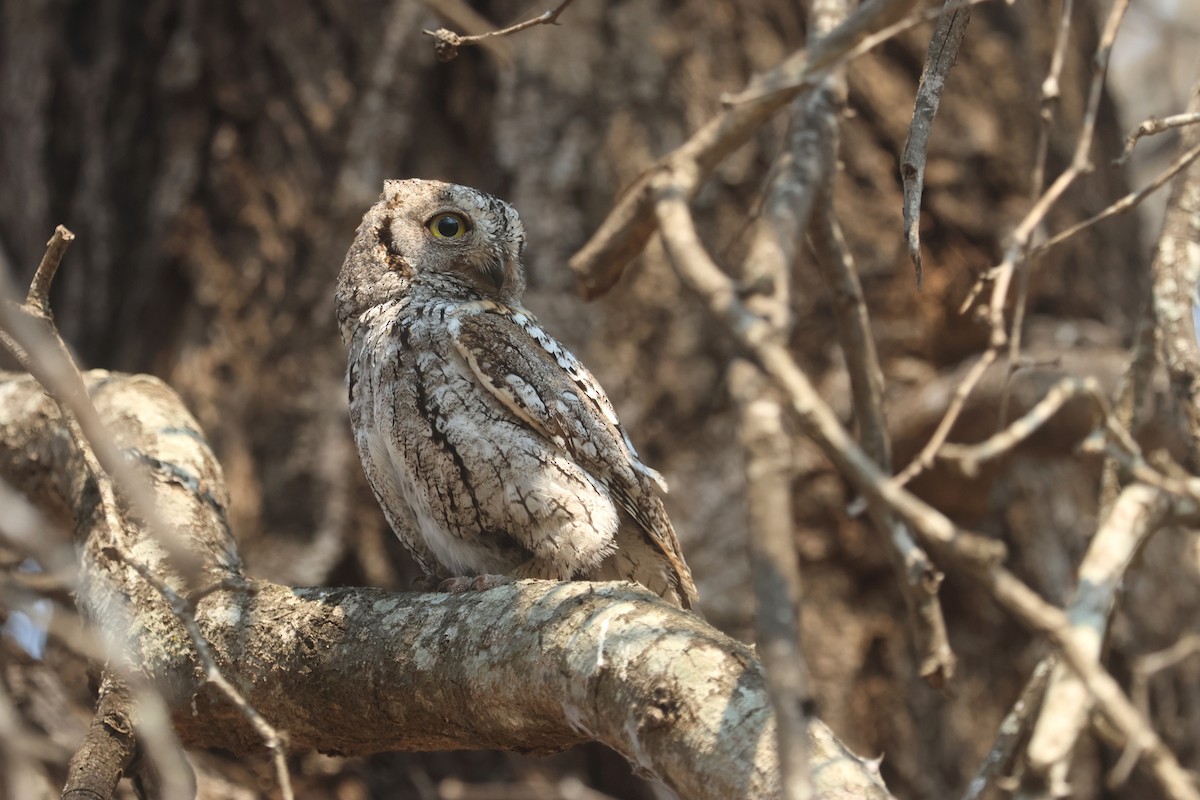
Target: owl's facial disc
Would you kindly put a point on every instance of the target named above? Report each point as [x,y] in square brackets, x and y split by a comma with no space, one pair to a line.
[481,244]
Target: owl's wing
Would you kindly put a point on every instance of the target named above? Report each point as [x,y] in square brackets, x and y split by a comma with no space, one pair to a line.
[544,385]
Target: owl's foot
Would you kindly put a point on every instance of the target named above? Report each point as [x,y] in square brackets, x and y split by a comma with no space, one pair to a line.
[474,583]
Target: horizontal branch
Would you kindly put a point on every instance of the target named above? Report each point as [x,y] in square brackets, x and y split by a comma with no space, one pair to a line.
[533,667]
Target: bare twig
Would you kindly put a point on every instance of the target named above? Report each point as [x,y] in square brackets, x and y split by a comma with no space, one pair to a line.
[33,340]
[39,291]
[1050,93]
[1013,728]
[972,458]
[1017,251]
[943,51]
[958,401]
[976,557]
[920,579]
[1110,435]
[799,174]
[631,223]
[1144,668]
[701,275]
[1155,126]
[447,42]
[1126,203]
[795,71]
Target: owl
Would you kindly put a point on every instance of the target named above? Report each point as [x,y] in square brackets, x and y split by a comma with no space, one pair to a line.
[491,449]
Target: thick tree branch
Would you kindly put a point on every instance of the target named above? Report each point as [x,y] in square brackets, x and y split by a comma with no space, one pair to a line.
[534,667]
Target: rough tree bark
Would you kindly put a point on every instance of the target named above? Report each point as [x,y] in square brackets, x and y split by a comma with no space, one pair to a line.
[533,667]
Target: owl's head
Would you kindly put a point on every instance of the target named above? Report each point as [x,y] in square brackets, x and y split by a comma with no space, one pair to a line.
[431,237]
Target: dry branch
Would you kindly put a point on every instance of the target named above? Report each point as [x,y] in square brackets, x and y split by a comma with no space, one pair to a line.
[446,42]
[973,555]
[599,263]
[776,568]
[1138,513]
[943,52]
[1016,254]
[1013,728]
[798,177]
[1176,271]
[1126,203]
[1155,126]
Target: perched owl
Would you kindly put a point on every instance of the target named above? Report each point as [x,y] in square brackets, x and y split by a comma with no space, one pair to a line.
[491,449]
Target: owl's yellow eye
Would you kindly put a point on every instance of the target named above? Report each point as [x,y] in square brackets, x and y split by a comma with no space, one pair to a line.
[448,226]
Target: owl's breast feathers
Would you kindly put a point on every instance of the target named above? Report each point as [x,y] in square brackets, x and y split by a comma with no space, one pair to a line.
[549,390]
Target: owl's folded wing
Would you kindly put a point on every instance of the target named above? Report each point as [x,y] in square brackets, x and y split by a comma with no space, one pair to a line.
[545,386]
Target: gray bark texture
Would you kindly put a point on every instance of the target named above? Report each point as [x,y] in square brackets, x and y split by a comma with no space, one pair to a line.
[533,667]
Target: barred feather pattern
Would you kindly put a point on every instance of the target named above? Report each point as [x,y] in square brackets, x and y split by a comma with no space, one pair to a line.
[491,449]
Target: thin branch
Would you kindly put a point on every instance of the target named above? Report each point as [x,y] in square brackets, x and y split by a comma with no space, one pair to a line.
[776,569]
[446,42]
[943,52]
[1013,729]
[795,71]
[975,556]
[1126,203]
[701,275]
[39,290]
[798,174]
[1017,251]
[1050,93]
[632,221]
[33,339]
[1142,669]
[1139,512]
[958,401]
[1176,270]
[972,458]
[1110,435]
[920,579]
[1152,127]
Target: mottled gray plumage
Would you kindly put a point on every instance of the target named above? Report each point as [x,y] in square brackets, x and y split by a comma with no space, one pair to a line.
[491,449]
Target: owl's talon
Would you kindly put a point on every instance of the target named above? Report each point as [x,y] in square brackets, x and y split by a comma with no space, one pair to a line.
[474,583]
